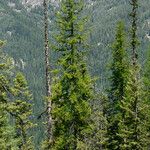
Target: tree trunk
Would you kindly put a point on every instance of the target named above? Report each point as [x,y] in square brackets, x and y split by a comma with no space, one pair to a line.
[47,73]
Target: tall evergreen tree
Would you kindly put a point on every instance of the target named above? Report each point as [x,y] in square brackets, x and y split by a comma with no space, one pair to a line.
[97,140]
[120,70]
[133,124]
[73,89]
[134,37]
[147,77]
[21,110]
[7,133]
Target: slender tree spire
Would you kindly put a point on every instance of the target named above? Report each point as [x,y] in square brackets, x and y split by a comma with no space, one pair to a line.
[134,44]
[133,122]
[134,39]
[47,74]
[118,82]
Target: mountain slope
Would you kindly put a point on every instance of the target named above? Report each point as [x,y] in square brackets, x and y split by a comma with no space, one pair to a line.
[105,16]
[21,25]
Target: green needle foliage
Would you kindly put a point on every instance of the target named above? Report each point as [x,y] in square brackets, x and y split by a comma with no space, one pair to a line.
[120,71]
[147,77]
[21,110]
[7,133]
[15,101]
[146,80]
[98,138]
[73,89]
[133,124]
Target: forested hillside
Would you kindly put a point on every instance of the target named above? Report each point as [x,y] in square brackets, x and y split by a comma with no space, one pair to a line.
[22,23]
[22,27]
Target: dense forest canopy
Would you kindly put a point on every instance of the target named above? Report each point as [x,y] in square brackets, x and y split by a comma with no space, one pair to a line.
[108,89]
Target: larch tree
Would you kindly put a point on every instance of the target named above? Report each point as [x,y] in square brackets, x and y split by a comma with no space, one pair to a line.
[118,82]
[72,90]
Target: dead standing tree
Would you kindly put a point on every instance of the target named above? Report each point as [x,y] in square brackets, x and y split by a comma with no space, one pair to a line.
[47,73]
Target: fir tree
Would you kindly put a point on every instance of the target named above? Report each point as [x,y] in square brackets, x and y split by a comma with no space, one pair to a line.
[98,137]
[146,80]
[21,110]
[73,90]
[120,69]
[8,138]
[133,124]
[134,37]
[7,133]
[147,77]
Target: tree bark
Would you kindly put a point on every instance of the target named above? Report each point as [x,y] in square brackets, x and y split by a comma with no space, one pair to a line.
[47,73]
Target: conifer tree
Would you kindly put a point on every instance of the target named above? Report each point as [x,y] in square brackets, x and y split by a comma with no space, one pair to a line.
[73,89]
[120,69]
[133,124]
[98,137]
[147,77]
[7,133]
[8,138]
[21,110]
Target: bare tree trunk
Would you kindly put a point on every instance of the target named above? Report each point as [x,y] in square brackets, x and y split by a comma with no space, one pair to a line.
[47,73]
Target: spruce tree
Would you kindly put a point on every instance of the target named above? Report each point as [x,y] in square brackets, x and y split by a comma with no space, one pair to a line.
[97,140]
[7,133]
[8,138]
[21,109]
[73,89]
[133,124]
[119,69]
[146,79]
